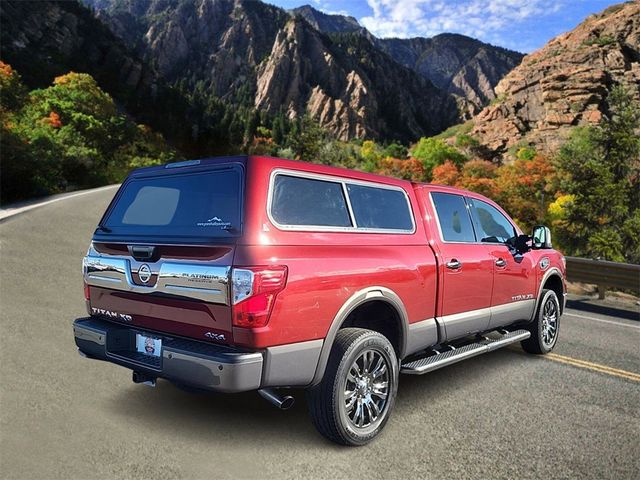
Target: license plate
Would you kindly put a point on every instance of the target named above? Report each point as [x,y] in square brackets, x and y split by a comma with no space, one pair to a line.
[148,345]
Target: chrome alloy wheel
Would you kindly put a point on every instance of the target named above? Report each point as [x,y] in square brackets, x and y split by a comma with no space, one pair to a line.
[366,389]
[549,322]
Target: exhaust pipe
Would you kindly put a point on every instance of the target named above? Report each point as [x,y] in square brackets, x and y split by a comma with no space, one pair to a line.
[283,402]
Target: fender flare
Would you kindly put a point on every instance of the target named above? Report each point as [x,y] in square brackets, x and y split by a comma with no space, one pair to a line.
[547,275]
[356,300]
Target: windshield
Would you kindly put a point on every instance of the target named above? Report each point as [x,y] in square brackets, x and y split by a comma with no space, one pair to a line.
[204,204]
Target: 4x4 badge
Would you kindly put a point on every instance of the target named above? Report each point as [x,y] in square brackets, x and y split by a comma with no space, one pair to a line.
[144,273]
[215,336]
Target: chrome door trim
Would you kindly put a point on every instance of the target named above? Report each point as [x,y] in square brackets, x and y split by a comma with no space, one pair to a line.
[502,315]
[462,324]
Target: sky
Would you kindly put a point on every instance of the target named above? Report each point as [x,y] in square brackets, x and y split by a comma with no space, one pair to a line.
[522,25]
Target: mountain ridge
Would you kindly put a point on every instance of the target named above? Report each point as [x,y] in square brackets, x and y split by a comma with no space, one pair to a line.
[458,64]
[328,22]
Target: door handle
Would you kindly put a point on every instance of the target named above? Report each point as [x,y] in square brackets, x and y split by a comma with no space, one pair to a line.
[454,264]
[501,262]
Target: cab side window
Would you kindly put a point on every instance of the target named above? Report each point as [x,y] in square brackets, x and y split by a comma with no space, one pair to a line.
[453,217]
[380,208]
[491,225]
[301,201]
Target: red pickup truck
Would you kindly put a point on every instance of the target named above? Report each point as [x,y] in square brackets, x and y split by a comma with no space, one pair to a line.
[252,273]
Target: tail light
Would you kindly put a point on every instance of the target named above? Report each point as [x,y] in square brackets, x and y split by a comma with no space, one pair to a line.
[87,292]
[254,291]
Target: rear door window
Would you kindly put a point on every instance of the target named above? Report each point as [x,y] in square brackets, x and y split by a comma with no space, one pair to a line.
[301,202]
[203,204]
[453,217]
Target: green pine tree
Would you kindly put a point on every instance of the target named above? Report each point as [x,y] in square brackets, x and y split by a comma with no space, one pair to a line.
[600,168]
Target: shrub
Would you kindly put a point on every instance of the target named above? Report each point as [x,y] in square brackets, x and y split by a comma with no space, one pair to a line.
[433,152]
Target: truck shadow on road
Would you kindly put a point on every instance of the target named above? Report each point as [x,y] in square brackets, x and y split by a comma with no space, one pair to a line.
[586,305]
[247,418]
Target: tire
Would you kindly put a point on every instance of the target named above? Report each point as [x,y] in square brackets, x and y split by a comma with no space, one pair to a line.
[545,328]
[343,405]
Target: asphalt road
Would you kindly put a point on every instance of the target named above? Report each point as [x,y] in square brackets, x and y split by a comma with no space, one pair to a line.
[502,415]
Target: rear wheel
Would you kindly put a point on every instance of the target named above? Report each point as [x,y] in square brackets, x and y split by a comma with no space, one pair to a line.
[353,401]
[546,325]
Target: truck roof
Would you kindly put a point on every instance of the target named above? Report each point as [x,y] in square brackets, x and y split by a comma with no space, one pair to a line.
[275,162]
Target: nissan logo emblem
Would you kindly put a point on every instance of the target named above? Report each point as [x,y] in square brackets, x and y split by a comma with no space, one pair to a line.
[144,273]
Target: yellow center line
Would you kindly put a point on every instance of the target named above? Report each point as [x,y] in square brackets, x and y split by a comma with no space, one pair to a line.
[596,367]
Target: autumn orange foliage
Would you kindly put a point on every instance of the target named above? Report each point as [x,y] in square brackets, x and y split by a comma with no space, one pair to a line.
[446,174]
[66,78]
[5,69]
[261,146]
[54,120]
[526,187]
[523,187]
[409,169]
[480,176]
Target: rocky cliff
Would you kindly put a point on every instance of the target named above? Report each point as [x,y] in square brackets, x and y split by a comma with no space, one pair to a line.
[465,67]
[565,83]
[349,86]
[457,64]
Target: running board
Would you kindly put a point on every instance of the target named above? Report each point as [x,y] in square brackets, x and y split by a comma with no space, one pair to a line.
[435,359]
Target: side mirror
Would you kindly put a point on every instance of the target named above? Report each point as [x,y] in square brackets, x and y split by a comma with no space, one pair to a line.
[541,237]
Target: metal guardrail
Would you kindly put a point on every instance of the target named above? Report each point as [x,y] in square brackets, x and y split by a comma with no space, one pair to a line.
[604,274]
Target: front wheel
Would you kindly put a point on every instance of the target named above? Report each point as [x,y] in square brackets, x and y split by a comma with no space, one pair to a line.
[546,325]
[353,401]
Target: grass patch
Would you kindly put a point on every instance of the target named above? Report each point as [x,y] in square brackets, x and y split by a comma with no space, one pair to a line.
[499,99]
[456,130]
[600,41]
[613,9]
[576,107]
[466,141]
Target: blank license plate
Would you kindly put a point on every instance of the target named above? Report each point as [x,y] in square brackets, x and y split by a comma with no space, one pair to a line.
[148,345]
